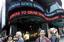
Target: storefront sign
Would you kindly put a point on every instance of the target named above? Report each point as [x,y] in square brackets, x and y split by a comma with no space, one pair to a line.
[36,13]
[56,12]
[26,4]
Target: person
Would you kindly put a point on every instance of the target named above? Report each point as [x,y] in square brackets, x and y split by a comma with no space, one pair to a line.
[26,37]
[1,39]
[10,39]
[42,37]
[53,35]
[18,37]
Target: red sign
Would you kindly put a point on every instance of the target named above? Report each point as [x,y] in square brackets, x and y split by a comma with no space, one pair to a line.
[36,13]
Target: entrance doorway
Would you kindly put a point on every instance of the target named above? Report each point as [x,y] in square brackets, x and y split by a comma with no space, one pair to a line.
[30,24]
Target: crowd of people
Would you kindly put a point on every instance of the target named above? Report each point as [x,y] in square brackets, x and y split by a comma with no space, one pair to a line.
[53,36]
[10,38]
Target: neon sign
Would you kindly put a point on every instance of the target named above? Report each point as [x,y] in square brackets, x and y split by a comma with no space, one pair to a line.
[55,12]
[36,13]
[26,4]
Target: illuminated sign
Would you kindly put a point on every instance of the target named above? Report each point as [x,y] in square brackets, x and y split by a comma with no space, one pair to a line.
[26,4]
[55,12]
[36,13]
[34,5]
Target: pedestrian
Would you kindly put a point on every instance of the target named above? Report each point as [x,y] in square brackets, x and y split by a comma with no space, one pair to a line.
[42,37]
[1,39]
[10,39]
[26,36]
[18,37]
[53,35]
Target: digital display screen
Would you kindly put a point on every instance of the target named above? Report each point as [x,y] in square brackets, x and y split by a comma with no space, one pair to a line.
[36,13]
